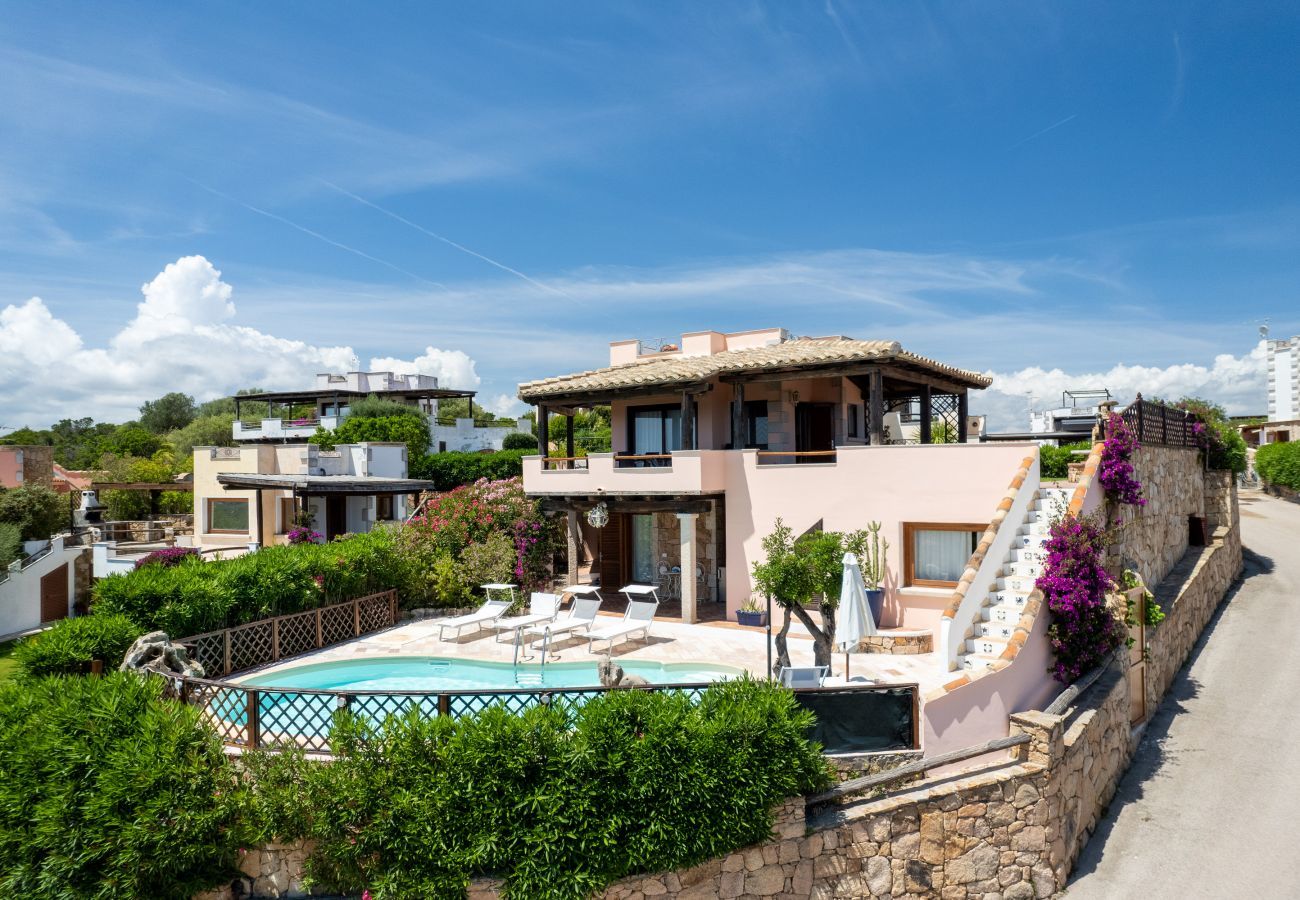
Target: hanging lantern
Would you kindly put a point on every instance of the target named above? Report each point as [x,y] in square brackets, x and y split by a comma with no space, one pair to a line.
[598,515]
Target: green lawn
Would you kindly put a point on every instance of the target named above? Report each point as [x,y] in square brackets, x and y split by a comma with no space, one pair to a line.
[7,665]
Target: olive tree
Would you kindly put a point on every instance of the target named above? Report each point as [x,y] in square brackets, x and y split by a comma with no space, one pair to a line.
[796,571]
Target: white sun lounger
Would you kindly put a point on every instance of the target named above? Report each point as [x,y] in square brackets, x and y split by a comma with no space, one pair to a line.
[637,620]
[803,676]
[488,612]
[581,617]
[542,608]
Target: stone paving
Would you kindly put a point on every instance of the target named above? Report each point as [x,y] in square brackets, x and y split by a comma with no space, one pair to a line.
[718,643]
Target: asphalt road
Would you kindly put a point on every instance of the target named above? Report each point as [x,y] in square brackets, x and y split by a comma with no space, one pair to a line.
[1211,804]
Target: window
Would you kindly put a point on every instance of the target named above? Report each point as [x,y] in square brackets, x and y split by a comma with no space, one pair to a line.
[855,413]
[287,512]
[227,516]
[384,508]
[656,429]
[935,554]
[755,417]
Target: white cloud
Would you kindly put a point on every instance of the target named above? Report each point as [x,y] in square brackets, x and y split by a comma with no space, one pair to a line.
[506,405]
[182,339]
[452,368]
[1237,382]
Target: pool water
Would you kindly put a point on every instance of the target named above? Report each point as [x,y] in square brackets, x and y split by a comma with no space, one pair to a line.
[424,673]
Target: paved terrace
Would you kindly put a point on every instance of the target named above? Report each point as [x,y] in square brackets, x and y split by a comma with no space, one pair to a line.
[718,643]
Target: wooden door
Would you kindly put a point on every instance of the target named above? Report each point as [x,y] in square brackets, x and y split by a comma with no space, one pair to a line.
[1137,667]
[54,594]
[611,555]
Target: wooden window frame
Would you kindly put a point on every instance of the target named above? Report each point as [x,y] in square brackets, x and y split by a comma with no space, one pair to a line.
[909,553]
[379,507]
[286,522]
[214,500]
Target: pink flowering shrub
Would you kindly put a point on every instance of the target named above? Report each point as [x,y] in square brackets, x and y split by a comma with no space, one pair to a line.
[1074,585]
[167,557]
[304,535]
[469,525]
[1116,472]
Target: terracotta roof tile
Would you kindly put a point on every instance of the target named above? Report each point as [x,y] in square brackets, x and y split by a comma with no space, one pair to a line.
[680,370]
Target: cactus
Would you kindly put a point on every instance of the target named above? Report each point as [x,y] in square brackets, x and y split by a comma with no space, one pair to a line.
[872,552]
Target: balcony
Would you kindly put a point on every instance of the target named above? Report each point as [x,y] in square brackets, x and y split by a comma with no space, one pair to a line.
[277,429]
[679,472]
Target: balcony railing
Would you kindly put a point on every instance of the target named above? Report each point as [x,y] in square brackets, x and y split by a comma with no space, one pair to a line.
[643,461]
[796,457]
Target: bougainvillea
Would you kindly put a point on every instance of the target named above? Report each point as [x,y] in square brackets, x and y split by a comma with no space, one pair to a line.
[1074,584]
[304,535]
[167,557]
[1116,472]
[476,513]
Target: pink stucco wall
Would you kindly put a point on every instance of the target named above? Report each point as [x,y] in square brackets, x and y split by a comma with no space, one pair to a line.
[977,712]
[890,485]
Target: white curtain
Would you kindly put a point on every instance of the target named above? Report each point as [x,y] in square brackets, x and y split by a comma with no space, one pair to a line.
[643,550]
[941,555]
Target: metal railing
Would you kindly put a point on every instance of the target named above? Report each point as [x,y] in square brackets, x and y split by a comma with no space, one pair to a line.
[270,640]
[250,717]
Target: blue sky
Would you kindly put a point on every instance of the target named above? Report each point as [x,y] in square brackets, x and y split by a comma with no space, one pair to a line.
[1064,195]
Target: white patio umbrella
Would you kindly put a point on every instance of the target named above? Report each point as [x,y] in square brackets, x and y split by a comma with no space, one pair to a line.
[855,621]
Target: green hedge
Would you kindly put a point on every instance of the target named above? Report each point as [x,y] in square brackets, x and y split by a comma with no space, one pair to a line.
[1279,464]
[198,596]
[557,802]
[108,791]
[69,647]
[451,470]
[1055,461]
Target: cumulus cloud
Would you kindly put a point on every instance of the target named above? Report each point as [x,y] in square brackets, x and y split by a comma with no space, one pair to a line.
[505,405]
[183,338]
[1237,382]
[452,368]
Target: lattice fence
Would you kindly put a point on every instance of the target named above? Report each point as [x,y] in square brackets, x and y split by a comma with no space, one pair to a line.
[1155,423]
[275,718]
[280,637]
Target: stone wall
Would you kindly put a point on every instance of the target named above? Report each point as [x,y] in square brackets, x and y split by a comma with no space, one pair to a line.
[1152,538]
[898,642]
[1189,596]
[273,871]
[667,539]
[1221,499]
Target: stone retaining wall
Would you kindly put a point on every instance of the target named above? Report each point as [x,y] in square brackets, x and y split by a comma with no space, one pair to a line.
[1152,538]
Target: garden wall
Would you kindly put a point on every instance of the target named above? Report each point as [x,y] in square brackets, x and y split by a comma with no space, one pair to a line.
[1152,538]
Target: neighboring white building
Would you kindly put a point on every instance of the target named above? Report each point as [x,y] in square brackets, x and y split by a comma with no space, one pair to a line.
[1077,414]
[331,397]
[255,493]
[1284,380]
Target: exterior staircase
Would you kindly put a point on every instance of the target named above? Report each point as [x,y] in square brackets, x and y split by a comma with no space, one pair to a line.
[1021,567]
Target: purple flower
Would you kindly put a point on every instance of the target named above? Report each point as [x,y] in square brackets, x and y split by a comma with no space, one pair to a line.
[1116,472]
[167,557]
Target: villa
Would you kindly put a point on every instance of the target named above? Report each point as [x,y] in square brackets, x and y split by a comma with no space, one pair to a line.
[327,405]
[717,437]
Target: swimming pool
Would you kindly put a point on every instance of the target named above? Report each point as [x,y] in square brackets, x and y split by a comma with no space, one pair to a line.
[425,673]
